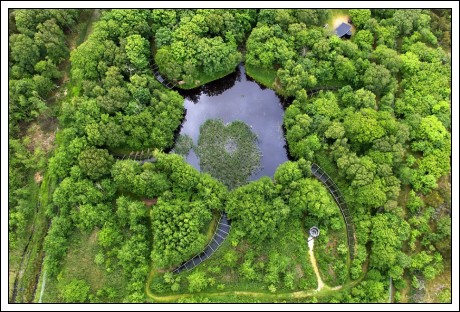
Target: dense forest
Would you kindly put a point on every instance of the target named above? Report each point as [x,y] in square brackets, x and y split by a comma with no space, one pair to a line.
[103,206]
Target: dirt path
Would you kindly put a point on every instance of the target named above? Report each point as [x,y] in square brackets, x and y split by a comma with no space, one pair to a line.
[169,298]
[311,243]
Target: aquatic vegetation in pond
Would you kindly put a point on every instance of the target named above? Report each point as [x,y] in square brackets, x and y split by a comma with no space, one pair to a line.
[229,152]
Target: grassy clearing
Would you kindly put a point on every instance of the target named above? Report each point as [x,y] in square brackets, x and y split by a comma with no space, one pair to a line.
[229,153]
[79,264]
[439,290]
[264,76]
[337,16]
[205,78]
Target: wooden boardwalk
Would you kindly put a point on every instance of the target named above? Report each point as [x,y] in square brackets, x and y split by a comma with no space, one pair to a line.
[164,81]
[321,175]
[223,228]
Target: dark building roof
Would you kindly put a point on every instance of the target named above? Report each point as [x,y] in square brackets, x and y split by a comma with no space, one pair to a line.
[343,29]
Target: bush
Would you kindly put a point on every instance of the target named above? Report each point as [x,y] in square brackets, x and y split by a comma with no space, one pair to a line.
[76,291]
[197,281]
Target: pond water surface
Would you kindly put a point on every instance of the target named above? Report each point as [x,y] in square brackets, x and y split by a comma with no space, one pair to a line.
[237,97]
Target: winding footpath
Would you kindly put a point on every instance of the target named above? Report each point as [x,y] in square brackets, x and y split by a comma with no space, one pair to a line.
[221,233]
[311,243]
[321,175]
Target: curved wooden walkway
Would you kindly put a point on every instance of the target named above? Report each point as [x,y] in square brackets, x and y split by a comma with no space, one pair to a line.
[321,175]
[223,228]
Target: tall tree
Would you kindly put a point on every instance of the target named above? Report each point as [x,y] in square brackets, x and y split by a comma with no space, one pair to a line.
[137,50]
[95,163]
[50,38]
[24,52]
[359,17]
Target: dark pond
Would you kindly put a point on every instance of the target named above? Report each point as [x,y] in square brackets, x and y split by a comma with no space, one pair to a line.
[237,97]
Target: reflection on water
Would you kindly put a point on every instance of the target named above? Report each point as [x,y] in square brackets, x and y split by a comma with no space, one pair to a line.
[213,88]
[235,97]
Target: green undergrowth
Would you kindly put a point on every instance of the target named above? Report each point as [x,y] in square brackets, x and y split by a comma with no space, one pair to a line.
[263,76]
[32,261]
[106,285]
[203,79]
[278,266]
[15,255]
[331,253]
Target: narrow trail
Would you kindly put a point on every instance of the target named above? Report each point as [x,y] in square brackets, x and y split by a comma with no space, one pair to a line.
[170,298]
[66,72]
[220,234]
[43,288]
[311,243]
[20,271]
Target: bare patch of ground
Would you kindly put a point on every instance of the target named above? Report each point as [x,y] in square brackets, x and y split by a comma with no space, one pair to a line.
[339,19]
[40,139]
[332,244]
[331,272]
[150,201]
[336,287]
[262,258]
[38,177]
[242,247]
[298,270]
[93,236]
[437,285]
[228,278]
